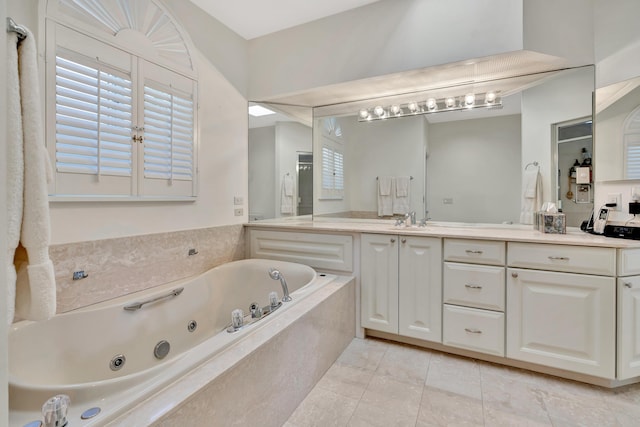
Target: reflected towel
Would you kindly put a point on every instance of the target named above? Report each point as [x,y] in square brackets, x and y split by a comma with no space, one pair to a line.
[288,185]
[531,195]
[384,185]
[385,198]
[401,196]
[286,196]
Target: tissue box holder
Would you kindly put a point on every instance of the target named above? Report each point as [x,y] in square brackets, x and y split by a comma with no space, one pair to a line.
[554,223]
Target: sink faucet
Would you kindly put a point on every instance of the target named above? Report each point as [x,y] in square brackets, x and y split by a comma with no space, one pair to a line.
[276,275]
[410,219]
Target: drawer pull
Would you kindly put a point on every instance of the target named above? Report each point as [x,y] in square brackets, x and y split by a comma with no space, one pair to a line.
[473,252]
[473,286]
[473,331]
[559,258]
[628,285]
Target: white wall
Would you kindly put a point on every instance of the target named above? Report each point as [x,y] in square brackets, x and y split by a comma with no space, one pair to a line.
[384,37]
[4,261]
[392,147]
[262,159]
[291,138]
[563,98]
[473,163]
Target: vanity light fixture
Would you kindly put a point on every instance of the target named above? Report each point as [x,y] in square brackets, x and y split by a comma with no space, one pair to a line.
[469,101]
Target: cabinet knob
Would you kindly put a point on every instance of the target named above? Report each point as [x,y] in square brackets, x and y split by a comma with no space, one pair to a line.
[393,240]
[514,275]
[404,240]
[473,330]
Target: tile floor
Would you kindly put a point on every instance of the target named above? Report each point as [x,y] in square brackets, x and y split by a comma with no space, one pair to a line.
[380,383]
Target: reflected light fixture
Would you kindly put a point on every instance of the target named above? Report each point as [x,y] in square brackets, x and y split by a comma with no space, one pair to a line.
[259,111]
[469,101]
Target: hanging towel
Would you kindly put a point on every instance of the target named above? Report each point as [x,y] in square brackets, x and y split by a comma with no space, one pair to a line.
[286,196]
[531,195]
[401,195]
[385,200]
[35,286]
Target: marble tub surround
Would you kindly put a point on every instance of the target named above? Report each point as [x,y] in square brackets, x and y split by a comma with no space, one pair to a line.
[119,266]
[382,383]
[260,381]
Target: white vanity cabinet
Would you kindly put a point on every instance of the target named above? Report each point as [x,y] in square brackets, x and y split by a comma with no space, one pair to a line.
[473,295]
[557,316]
[628,313]
[401,285]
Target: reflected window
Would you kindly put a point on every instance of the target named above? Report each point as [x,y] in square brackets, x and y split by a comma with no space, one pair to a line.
[332,173]
[632,145]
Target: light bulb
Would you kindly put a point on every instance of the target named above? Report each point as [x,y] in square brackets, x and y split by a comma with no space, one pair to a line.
[379,111]
[395,109]
[431,104]
[412,106]
[469,99]
[364,113]
[490,97]
[450,102]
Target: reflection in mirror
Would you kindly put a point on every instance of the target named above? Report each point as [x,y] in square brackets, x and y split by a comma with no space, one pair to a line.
[467,165]
[280,162]
[618,131]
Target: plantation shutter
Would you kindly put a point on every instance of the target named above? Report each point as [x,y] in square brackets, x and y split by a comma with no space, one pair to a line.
[168,111]
[632,145]
[93,118]
[332,173]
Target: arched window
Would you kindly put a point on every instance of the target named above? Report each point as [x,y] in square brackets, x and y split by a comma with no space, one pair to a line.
[121,97]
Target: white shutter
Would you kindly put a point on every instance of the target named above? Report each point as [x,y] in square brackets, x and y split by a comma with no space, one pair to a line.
[327,168]
[93,117]
[338,170]
[632,156]
[332,173]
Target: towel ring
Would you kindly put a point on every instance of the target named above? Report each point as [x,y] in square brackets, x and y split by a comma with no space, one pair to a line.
[534,164]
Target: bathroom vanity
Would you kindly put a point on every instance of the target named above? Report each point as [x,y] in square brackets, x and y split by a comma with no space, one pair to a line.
[564,304]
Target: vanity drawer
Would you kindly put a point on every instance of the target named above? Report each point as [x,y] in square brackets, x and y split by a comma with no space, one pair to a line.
[471,285]
[628,262]
[573,259]
[473,329]
[474,251]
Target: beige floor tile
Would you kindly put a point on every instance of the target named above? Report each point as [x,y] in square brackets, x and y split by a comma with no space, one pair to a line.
[454,374]
[579,411]
[346,380]
[508,394]
[369,415]
[393,395]
[323,408]
[495,417]
[442,408]
[405,363]
[363,353]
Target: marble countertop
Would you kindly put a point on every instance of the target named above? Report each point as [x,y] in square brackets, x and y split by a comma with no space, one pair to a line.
[511,233]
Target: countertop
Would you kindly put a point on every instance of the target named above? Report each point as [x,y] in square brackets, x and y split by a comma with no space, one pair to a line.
[506,232]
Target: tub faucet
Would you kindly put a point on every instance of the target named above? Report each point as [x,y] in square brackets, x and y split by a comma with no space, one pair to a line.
[276,275]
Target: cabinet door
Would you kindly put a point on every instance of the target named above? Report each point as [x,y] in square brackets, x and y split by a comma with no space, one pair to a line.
[421,288]
[562,320]
[379,282]
[628,327]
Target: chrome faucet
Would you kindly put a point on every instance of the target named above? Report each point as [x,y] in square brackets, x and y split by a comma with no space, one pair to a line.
[410,219]
[276,275]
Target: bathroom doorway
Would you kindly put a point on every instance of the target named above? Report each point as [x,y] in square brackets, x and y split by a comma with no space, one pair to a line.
[305,183]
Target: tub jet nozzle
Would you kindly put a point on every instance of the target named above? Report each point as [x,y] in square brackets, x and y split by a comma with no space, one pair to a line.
[276,275]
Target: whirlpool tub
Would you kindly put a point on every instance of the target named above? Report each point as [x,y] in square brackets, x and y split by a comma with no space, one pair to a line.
[144,364]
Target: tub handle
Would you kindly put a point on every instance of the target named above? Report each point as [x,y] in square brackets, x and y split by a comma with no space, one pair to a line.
[138,305]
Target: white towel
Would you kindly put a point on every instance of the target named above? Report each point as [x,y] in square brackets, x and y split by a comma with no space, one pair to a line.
[401,195]
[531,195]
[35,283]
[385,199]
[286,196]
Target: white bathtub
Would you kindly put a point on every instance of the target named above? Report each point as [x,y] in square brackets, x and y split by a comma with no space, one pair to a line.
[71,353]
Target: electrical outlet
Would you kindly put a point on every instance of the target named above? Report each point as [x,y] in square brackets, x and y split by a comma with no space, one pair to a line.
[614,198]
[238,200]
[238,212]
[447,201]
[635,194]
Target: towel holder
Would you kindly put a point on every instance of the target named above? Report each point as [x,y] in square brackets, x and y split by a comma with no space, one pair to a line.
[534,164]
[409,177]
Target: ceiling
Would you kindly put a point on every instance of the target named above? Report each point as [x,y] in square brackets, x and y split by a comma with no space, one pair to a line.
[255,18]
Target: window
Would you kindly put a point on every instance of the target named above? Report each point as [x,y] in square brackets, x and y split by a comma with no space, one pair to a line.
[119,127]
[332,173]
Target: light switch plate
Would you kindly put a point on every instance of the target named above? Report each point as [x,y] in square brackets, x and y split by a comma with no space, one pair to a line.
[615,198]
[238,200]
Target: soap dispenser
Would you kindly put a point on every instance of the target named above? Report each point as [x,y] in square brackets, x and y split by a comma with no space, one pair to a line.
[55,410]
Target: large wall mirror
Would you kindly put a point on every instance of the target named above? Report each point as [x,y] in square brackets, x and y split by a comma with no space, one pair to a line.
[617,131]
[463,166]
